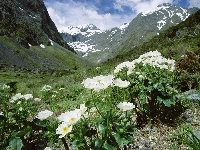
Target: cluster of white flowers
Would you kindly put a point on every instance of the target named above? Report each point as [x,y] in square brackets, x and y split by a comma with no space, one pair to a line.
[118,82]
[102,82]
[4,86]
[98,83]
[44,114]
[46,88]
[20,96]
[37,99]
[124,106]
[127,64]
[155,59]
[27,96]
[68,119]
[152,58]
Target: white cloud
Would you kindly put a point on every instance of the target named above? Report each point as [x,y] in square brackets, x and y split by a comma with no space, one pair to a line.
[75,14]
[194,3]
[140,5]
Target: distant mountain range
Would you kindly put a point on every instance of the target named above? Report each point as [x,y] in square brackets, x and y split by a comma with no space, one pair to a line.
[97,46]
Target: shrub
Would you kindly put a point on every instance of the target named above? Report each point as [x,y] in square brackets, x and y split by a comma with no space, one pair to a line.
[189,68]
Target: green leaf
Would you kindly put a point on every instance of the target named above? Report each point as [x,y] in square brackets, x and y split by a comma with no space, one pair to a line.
[101,128]
[168,103]
[16,143]
[109,147]
[87,104]
[98,142]
[77,143]
[120,141]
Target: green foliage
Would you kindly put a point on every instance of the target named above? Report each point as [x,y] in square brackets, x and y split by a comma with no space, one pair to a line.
[104,125]
[152,88]
[185,135]
[16,143]
[192,140]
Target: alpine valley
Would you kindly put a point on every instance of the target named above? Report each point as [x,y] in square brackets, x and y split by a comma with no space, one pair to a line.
[29,38]
[132,87]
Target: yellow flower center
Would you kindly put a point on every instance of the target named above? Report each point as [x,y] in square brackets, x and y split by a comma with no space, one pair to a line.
[72,120]
[65,129]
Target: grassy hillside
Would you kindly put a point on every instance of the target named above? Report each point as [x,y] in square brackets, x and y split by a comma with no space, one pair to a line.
[51,57]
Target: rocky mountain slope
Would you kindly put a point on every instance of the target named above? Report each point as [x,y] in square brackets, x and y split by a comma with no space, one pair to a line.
[90,39]
[29,23]
[101,45]
[30,40]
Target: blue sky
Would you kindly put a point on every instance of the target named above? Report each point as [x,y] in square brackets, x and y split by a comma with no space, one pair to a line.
[105,14]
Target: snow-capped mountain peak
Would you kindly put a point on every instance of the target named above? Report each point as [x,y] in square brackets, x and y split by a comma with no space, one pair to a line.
[170,9]
[167,13]
[88,39]
[86,30]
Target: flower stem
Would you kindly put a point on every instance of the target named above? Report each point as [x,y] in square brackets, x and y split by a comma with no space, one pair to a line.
[65,143]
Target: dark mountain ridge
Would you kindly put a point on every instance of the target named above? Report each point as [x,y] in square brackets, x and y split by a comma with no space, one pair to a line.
[29,23]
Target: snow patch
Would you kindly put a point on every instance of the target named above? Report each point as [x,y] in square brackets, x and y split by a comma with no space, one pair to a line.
[161,24]
[51,42]
[42,46]
[124,26]
[20,8]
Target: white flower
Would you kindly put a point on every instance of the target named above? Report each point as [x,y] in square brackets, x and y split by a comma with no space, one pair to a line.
[16,97]
[82,109]
[37,99]
[1,113]
[98,83]
[126,64]
[46,88]
[48,148]
[27,96]
[20,109]
[53,96]
[141,76]
[86,115]
[61,89]
[70,117]
[44,114]
[124,106]
[19,102]
[42,46]
[97,67]
[123,84]
[93,109]
[4,86]
[63,129]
